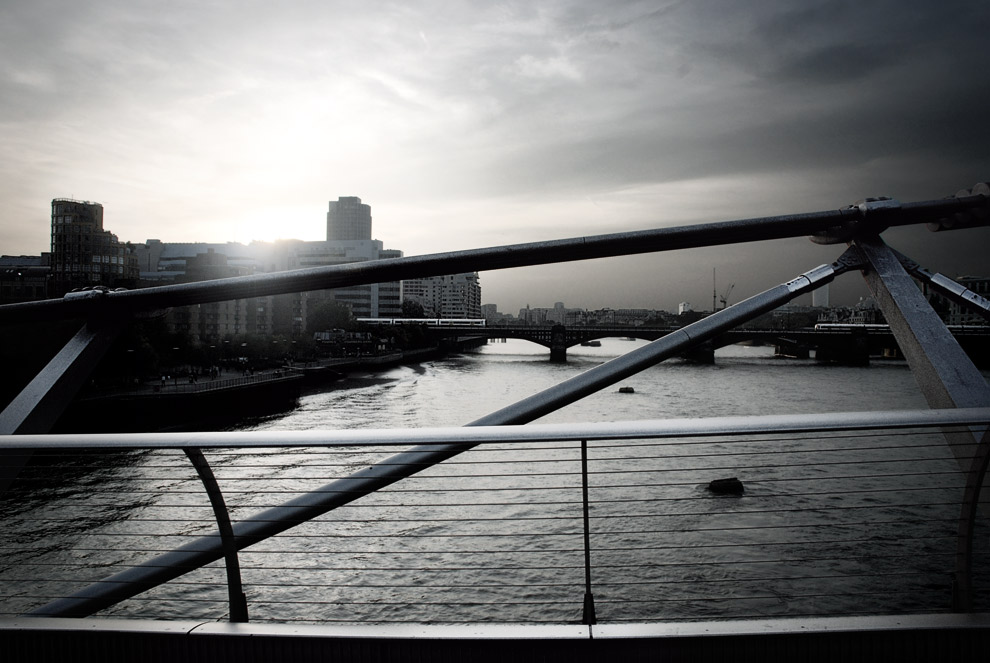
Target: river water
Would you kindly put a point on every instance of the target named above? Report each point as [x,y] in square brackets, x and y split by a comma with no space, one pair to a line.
[827,525]
[455,391]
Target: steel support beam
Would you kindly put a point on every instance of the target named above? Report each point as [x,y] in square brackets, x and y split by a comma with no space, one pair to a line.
[953,291]
[278,519]
[39,405]
[946,376]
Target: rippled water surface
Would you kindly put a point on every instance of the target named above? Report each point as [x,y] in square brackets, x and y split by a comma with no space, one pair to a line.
[827,525]
[456,391]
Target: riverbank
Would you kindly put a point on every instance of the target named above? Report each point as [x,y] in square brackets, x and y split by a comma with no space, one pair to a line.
[329,370]
[173,403]
[177,406]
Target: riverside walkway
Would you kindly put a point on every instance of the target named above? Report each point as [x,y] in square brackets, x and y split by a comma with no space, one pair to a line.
[867,537]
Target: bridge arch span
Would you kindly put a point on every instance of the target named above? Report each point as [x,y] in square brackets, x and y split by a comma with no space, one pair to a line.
[522,334]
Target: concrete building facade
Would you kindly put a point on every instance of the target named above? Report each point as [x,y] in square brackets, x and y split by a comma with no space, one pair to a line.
[452,296]
[373,300]
[83,253]
[24,278]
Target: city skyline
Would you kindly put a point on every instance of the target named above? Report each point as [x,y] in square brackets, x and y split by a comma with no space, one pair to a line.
[466,127]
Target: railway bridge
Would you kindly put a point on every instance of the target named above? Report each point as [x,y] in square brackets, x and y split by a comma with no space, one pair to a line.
[847,344]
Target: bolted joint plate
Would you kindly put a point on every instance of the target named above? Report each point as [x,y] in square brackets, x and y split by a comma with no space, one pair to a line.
[870,220]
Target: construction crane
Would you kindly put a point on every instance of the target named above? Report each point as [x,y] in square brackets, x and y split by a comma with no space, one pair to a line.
[724,297]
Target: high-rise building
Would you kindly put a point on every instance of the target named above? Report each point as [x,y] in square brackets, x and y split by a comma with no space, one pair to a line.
[349,240]
[83,253]
[348,219]
[390,293]
[348,223]
[371,300]
[452,296]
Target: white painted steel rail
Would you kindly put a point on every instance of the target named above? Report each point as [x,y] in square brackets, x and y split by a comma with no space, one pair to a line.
[474,435]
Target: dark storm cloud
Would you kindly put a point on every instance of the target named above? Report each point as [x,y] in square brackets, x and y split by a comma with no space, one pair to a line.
[831,85]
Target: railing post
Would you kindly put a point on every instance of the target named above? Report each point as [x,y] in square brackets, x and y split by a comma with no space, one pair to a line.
[962,582]
[588,614]
[235,592]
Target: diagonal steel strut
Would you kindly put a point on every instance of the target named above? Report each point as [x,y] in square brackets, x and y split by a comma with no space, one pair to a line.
[954,291]
[948,379]
[45,398]
[944,372]
[278,519]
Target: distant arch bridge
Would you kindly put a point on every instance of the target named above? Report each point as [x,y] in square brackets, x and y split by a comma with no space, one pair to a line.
[848,344]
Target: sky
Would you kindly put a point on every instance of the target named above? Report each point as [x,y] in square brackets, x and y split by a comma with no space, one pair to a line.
[472,124]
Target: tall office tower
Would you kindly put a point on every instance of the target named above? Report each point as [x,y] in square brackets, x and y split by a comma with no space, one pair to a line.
[83,253]
[348,219]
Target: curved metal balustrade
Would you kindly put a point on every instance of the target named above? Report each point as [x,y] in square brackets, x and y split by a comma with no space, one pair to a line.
[839,515]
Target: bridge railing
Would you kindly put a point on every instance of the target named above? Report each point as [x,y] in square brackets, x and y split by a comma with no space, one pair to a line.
[947,378]
[842,514]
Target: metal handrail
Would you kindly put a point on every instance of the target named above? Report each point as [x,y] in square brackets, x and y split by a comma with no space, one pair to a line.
[683,505]
[465,436]
[274,520]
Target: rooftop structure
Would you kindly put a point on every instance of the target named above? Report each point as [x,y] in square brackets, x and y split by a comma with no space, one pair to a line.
[348,219]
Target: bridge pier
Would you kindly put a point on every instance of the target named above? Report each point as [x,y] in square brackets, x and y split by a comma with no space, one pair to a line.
[853,350]
[558,344]
[701,354]
[791,351]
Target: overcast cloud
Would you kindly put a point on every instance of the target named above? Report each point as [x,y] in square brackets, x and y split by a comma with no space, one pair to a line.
[466,124]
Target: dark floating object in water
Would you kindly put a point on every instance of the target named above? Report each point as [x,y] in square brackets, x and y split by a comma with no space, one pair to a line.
[626,390]
[731,486]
